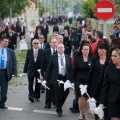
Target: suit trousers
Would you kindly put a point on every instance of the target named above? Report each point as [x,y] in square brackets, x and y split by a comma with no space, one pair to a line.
[34,93]
[60,94]
[4,87]
[50,97]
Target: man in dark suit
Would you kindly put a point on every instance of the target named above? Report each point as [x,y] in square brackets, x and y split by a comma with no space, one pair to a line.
[32,64]
[60,40]
[46,58]
[45,31]
[8,69]
[22,30]
[12,39]
[59,69]
[42,45]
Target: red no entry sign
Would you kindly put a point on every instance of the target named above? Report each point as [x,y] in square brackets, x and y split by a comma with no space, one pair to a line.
[104,10]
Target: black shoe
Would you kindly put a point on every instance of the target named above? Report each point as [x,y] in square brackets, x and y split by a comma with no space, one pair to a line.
[47,106]
[42,91]
[31,99]
[3,107]
[73,110]
[59,114]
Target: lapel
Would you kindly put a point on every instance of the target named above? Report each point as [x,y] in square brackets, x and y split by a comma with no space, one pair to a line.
[66,62]
[56,60]
[32,52]
[115,73]
[8,56]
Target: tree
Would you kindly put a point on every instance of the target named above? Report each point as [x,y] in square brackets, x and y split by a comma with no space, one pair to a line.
[88,8]
[17,7]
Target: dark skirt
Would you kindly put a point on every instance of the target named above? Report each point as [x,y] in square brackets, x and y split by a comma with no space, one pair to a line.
[77,89]
[114,109]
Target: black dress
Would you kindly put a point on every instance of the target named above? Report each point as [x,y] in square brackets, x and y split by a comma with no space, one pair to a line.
[79,73]
[114,108]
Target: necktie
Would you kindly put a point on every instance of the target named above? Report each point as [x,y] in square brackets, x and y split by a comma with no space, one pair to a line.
[54,52]
[62,66]
[35,54]
[2,58]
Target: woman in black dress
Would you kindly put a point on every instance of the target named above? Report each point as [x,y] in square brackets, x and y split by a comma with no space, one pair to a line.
[96,73]
[79,74]
[111,86]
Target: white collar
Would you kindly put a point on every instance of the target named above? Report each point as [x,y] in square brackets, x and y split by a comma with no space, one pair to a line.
[59,55]
[53,49]
[35,49]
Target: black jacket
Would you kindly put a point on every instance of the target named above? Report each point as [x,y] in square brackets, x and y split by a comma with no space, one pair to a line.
[53,69]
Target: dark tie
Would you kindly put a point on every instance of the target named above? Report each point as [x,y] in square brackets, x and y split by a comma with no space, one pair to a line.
[2,58]
[54,52]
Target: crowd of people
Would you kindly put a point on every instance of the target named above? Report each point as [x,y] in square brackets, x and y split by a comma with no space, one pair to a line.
[78,55]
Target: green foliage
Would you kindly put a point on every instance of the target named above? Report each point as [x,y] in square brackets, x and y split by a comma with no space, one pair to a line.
[17,7]
[88,8]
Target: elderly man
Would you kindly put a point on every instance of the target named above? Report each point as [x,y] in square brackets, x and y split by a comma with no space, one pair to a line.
[32,64]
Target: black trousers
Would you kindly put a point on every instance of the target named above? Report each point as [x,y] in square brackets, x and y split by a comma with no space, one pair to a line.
[3,87]
[34,92]
[60,94]
[50,97]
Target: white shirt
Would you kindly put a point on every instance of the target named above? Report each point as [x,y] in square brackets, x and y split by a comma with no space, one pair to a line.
[59,62]
[52,50]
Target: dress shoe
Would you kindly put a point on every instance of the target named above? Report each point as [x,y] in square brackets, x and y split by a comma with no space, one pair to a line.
[31,99]
[47,106]
[42,91]
[73,110]
[59,114]
[3,107]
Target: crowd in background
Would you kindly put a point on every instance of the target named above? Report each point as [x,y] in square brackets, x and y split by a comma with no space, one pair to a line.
[95,63]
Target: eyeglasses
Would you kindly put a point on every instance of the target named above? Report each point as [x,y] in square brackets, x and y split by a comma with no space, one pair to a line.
[36,43]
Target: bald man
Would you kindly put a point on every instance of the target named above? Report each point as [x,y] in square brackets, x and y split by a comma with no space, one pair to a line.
[33,62]
[59,68]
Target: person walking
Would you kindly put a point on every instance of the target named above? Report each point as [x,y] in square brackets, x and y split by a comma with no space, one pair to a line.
[8,69]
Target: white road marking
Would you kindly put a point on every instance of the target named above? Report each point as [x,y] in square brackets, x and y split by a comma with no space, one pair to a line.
[15,109]
[104,10]
[44,111]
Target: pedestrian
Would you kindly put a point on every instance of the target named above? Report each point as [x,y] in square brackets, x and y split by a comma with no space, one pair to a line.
[79,74]
[111,86]
[8,69]
[33,62]
[59,69]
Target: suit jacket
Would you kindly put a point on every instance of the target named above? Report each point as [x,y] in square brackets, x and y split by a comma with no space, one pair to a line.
[66,49]
[12,41]
[52,72]
[111,86]
[46,58]
[94,75]
[31,66]
[11,64]
[45,30]
[22,32]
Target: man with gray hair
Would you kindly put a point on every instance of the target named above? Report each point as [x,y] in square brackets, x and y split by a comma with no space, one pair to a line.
[33,62]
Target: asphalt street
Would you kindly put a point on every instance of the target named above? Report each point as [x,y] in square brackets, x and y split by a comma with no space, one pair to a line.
[20,108]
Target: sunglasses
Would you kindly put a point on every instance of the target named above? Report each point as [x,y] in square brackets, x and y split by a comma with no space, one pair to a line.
[36,43]
[41,38]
